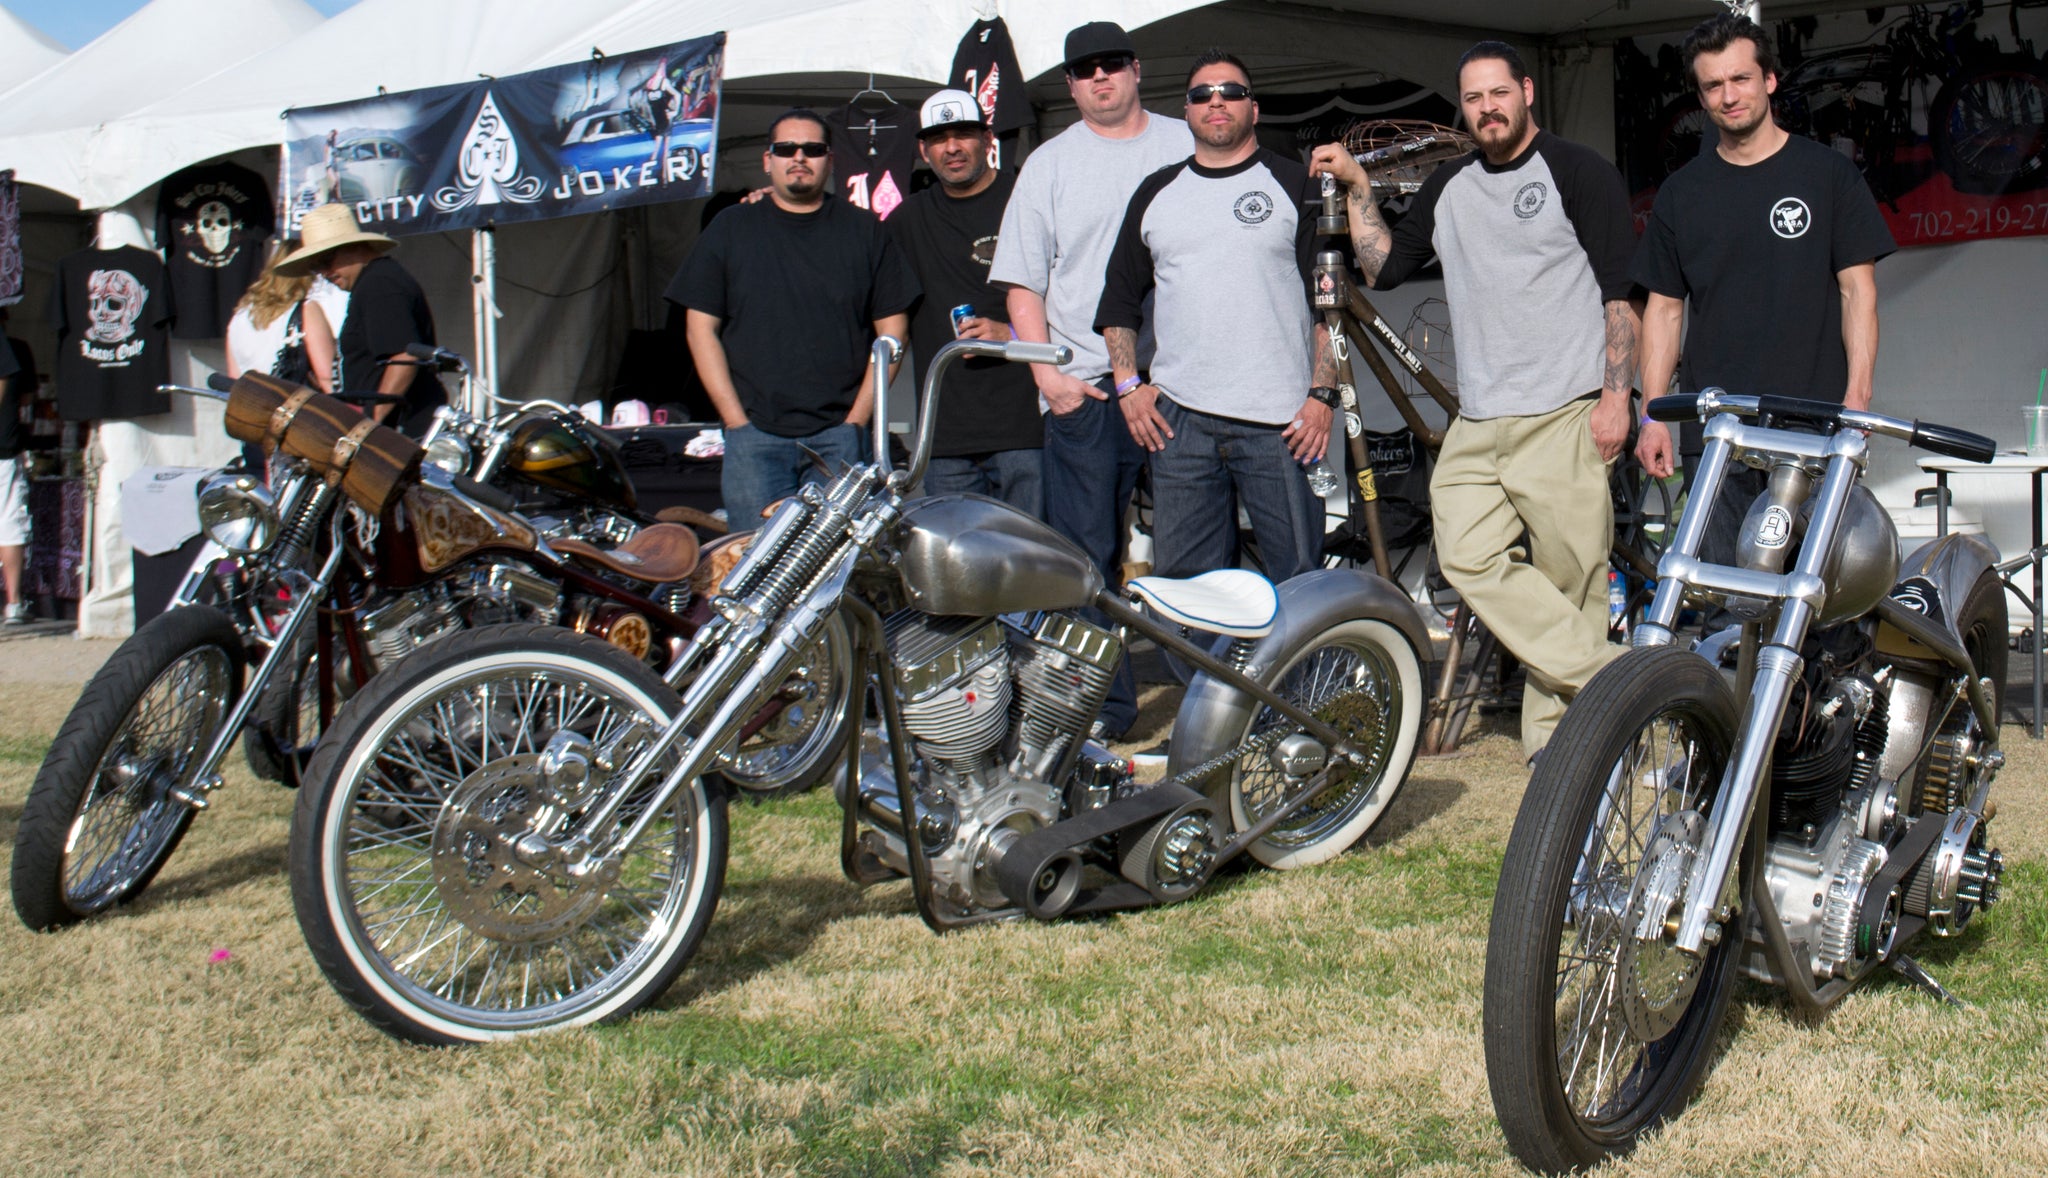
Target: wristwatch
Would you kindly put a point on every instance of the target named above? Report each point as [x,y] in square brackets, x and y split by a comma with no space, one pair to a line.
[1326,395]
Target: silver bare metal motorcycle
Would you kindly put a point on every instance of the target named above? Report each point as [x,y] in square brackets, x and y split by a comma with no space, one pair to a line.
[518,830]
[1801,826]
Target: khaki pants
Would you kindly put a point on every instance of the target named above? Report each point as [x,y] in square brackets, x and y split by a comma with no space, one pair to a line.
[1523,527]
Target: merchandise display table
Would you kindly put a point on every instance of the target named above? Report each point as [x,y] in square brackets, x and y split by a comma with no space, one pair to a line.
[2009,569]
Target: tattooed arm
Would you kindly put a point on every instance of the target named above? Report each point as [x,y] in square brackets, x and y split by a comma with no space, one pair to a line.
[1611,415]
[1308,435]
[1371,240]
[1141,404]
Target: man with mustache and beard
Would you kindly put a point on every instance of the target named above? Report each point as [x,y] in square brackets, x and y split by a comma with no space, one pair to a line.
[1056,238]
[1775,240]
[782,300]
[1534,235]
[988,438]
[1242,389]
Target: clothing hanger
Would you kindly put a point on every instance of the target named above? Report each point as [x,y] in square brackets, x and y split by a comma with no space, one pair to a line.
[856,111]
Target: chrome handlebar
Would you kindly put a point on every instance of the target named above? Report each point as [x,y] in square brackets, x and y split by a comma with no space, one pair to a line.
[887,350]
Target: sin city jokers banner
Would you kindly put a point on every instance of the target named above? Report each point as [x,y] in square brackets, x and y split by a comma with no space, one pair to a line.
[609,133]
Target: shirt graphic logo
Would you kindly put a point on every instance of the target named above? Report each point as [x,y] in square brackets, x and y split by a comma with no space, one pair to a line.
[983,250]
[1253,207]
[1529,199]
[1790,218]
[113,302]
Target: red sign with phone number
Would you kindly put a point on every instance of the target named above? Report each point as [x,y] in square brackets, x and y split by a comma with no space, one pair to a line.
[1935,213]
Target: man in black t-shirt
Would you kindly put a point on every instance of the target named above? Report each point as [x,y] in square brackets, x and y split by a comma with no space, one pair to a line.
[989,436]
[387,311]
[1774,239]
[782,300]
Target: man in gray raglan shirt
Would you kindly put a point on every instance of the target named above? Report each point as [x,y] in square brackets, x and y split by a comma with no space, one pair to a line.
[1055,241]
[1231,407]
[1535,239]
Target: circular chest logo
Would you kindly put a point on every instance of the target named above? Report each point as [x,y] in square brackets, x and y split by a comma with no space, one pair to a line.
[1790,218]
[1253,207]
[1529,200]
[983,250]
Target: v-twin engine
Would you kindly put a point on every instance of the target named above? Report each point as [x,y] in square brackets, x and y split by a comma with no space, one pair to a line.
[995,711]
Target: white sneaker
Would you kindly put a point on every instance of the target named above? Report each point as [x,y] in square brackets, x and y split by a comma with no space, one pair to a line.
[16,614]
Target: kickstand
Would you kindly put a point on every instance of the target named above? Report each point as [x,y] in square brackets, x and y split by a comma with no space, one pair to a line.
[1917,974]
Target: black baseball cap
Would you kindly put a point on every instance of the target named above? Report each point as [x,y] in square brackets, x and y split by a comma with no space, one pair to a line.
[1097,38]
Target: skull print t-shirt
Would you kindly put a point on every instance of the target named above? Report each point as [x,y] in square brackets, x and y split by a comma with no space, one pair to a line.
[111,310]
[211,223]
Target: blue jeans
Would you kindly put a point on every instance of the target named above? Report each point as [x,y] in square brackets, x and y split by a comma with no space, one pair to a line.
[761,467]
[1091,471]
[1210,467]
[1017,477]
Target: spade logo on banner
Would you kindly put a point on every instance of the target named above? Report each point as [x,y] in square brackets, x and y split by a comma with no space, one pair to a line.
[487,172]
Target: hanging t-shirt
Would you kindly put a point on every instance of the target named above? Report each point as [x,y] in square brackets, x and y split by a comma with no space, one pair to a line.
[111,310]
[387,310]
[1756,249]
[798,295]
[211,223]
[873,154]
[985,66]
[987,404]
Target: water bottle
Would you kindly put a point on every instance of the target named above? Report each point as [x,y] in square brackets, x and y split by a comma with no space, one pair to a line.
[1321,479]
[1617,602]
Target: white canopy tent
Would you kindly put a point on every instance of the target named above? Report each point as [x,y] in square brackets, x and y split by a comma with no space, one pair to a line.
[24,52]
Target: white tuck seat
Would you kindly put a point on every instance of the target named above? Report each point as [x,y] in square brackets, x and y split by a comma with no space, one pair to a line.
[1237,602]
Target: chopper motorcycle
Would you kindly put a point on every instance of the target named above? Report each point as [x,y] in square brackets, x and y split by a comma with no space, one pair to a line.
[1801,826]
[303,582]
[516,831]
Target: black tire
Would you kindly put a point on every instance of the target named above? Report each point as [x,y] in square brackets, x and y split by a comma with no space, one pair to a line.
[421,781]
[1989,127]
[1652,701]
[99,823]
[1982,623]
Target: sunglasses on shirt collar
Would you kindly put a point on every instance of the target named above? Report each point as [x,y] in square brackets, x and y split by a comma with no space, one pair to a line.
[1231,92]
[1111,63]
[789,148]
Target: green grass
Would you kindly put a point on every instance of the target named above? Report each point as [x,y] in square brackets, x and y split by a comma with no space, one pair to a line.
[24,750]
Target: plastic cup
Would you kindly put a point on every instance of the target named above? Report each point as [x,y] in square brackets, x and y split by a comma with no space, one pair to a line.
[2035,419]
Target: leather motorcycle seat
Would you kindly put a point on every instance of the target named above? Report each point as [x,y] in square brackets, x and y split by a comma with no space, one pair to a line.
[657,553]
[701,520]
[1237,602]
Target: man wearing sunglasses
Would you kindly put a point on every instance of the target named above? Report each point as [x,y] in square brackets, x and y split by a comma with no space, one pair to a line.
[1535,238]
[1242,389]
[1055,242]
[782,299]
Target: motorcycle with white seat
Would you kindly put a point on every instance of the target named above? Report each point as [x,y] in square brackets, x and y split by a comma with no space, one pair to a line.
[522,830]
[1795,799]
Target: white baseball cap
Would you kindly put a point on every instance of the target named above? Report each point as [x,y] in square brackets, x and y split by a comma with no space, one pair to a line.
[949,108]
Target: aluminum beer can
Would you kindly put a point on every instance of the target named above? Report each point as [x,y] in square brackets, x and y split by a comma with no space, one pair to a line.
[961,314]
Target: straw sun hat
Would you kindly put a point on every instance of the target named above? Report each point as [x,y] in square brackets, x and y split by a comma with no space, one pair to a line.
[324,229]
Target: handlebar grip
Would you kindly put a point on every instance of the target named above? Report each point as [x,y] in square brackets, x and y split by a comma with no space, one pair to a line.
[483,493]
[1956,443]
[219,382]
[1677,407]
[1025,352]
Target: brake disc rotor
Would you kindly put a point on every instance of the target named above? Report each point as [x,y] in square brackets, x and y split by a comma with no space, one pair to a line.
[1656,981]
[481,882]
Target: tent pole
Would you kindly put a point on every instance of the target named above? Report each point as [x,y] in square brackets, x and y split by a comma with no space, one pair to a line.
[485,314]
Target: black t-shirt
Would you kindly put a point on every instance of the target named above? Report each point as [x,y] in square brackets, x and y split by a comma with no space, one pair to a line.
[386,311]
[985,65]
[10,402]
[798,294]
[873,154]
[987,405]
[211,223]
[110,310]
[1756,250]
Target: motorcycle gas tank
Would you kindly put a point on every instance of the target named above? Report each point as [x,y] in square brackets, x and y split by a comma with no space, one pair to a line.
[563,454]
[968,554]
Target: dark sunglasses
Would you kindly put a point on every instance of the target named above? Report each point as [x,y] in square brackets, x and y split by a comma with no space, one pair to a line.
[788,149]
[1114,63]
[1231,92]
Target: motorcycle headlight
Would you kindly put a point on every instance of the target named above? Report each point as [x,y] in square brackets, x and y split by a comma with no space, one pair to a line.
[449,452]
[238,513]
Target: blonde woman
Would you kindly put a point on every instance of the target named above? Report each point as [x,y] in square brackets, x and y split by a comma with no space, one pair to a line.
[278,330]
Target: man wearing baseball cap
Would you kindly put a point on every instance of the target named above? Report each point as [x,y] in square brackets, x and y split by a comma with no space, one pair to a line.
[989,437]
[387,311]
[1056,240]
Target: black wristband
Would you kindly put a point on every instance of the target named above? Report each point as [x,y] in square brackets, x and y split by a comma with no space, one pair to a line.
[1326,395]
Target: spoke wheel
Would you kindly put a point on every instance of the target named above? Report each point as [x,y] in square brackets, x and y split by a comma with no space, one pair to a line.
[1364,679]
[405,869]
[801,744]
[1593,1037]
[100,820]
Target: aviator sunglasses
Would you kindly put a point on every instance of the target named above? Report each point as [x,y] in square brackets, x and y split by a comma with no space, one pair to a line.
[788,149]
[1113,63]
[1231,92]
